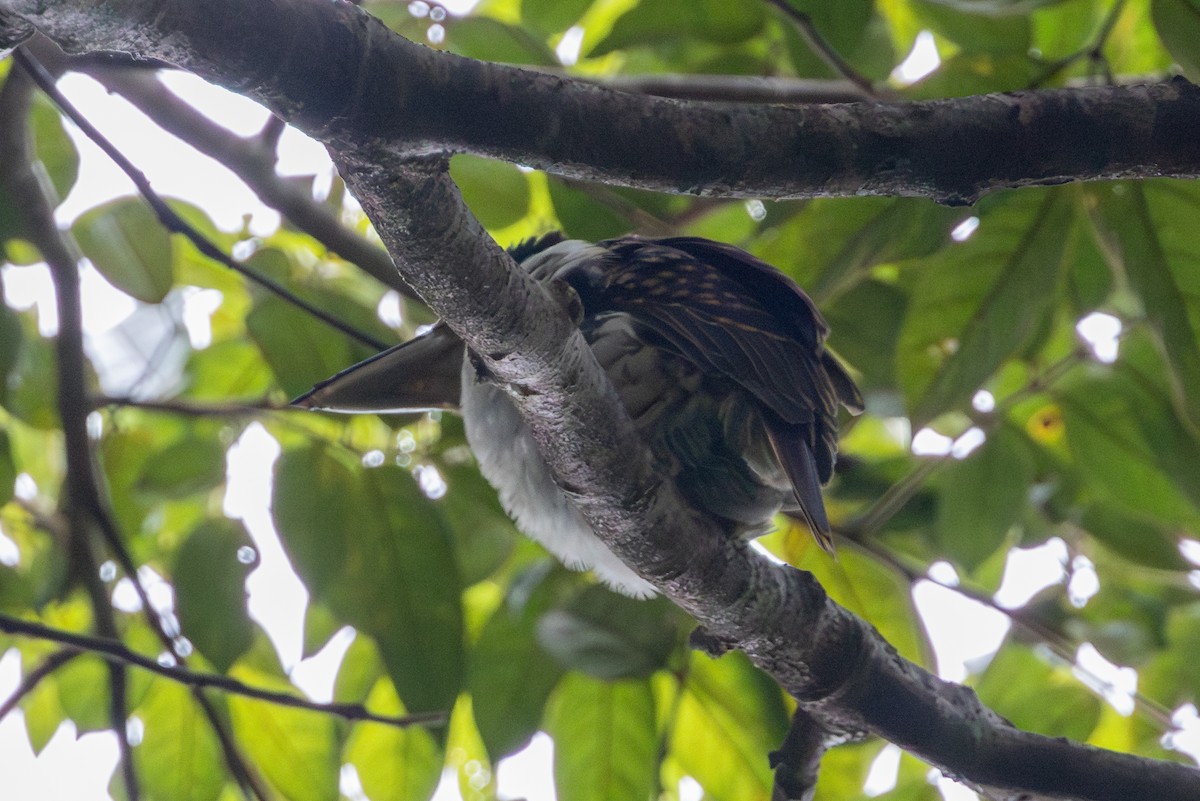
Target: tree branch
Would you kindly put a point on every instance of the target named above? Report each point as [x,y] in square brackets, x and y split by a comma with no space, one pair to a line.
[117,653]
[388,110]
[370,85]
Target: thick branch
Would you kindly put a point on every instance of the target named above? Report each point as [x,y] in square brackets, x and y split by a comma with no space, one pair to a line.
[371,86]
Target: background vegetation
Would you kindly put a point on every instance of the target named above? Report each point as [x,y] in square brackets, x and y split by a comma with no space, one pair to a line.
[959,321]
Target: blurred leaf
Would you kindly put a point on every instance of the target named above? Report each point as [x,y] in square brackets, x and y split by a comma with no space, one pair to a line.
[179,757]
[1178,25]
[496,191]
[1152,226]
[980,24]
[43,713]
[229,371]
[373,548]
[300,349]
[982,496]
[842,25]
[1173,676]
[483,535]
[583,216]
[185,467]
[8,470]
[210,591]
[57,160]
[490,39]
[865,322]
[1111,450]
[552,16]
[905,228]
[978,304]
[11,336]
[1139,540]
[295,749]
[974,73]
[604,739]
[610,636]
[54,147]
[1037,697]
[653,21]
[510,679]
[844,770]
[128,245]
[83,691]
[33,384]
[728,718]
[393,764]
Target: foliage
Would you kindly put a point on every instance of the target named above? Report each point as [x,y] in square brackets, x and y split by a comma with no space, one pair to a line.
[962,321]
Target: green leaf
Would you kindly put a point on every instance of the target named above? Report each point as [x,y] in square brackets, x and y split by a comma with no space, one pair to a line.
[8,470]
[54,147]
[489,39]
[295,749]
[581,215]
[865,324]
[393,764]
[654,21]
[228,371]
[128,245]
[1141,541]
[553,16]
[83,691]
[483,534]
[43,713]
[179,757]
[610,636]
[1037,697]
[604,739]
[210,591]
[300,349]
[1174,674]
[977,305]
[1110,449]
[728,718]
[33,384]
[11,336]
[904,229]
[1178,25]
[369,545]
[185,467]
[510,679]
[495,191]
[982,496]
[1002,29]
[1152,227]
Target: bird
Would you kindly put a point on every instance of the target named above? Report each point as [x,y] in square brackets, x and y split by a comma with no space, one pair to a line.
[718,357]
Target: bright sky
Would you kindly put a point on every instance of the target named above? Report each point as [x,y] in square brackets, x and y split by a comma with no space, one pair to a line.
[964,633]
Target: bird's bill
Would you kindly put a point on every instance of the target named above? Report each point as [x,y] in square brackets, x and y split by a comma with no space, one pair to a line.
[415,376]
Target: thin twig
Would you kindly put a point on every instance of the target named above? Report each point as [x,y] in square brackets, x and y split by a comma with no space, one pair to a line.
[34,677]
[167,216]
[116,651]
[37,214]
[188,409]
[85,505]
[254,163]
[823,49]
[1094,51]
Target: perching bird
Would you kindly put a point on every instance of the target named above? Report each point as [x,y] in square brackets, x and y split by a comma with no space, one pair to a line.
[717,356]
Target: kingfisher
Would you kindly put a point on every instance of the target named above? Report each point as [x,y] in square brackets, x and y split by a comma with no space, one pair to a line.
[718,357]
